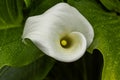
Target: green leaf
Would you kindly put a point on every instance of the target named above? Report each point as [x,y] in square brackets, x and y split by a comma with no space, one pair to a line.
[34,71]
[112,5]
[10,13]
[107,37]
[28,3]
[13,51]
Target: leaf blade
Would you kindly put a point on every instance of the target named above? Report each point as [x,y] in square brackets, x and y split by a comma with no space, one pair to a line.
[107,37]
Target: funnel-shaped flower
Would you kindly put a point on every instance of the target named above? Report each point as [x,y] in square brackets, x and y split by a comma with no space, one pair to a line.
[61,32]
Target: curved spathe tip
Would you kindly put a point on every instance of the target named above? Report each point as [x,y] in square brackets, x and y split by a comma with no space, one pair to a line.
[75,49]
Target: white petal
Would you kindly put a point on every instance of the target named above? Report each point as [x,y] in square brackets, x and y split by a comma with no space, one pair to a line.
[61,20]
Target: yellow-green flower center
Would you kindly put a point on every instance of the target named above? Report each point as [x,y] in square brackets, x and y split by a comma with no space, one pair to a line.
[63,42]
[66,42]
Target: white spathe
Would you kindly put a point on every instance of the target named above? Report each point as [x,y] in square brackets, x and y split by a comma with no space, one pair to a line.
[62,21]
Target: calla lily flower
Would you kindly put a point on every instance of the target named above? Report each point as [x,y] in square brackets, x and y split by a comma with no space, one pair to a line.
[61,32]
